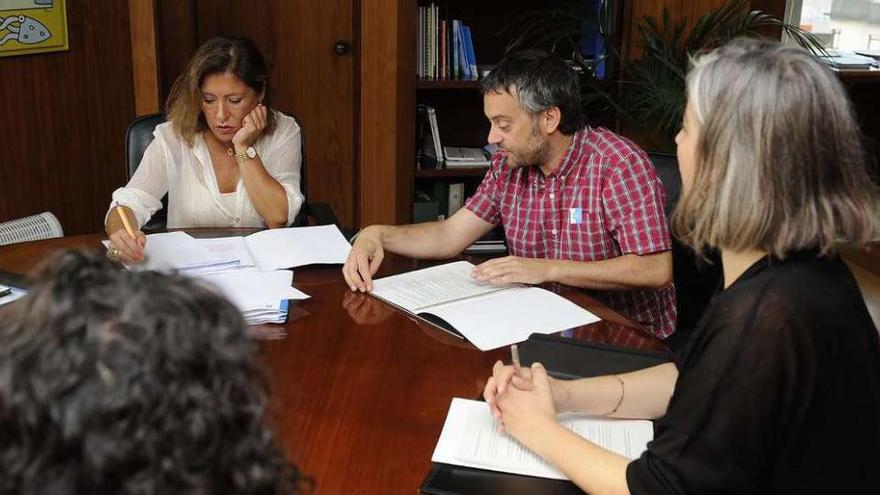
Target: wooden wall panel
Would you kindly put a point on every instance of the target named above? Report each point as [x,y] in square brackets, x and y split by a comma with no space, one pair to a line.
[64,121]
[177,34]
[145,70]
[387,107]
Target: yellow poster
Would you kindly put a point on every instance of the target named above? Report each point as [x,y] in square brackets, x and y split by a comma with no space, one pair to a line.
[32,26]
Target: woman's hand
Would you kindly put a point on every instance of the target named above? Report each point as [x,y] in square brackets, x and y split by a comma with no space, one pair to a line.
[504,376]
[526,413]
[128,249]
[501,379]
[252,126]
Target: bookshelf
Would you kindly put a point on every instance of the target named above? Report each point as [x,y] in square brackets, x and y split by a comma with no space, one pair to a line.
[458,104]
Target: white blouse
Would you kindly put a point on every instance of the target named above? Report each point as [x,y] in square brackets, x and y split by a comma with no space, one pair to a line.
[185,172]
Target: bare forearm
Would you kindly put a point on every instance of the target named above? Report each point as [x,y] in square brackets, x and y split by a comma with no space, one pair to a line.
[592,468]
[427,240]
[642,394]
[437,240]
[626,272]
[266,194]
[114,223]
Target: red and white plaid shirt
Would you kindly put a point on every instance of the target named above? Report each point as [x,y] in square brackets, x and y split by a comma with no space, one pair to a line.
[603,201]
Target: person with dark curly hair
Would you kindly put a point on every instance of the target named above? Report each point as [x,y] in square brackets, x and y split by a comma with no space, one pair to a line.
[131,382]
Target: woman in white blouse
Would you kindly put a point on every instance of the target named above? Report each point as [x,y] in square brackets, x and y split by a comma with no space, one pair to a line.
[224,158]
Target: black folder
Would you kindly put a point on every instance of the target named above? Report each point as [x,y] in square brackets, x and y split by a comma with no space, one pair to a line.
[564,358]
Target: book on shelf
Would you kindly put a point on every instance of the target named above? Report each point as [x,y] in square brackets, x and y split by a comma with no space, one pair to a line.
[429,151]
[461,157]
[469,52]
[445,47]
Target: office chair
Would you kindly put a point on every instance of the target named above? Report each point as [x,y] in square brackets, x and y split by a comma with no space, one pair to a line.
[139,135]
[696,280]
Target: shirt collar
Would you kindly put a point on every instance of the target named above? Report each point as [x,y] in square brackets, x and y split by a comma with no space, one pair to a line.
[569,159]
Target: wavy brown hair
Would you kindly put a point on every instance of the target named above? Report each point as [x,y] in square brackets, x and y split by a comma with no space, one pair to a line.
[779,165]
[221,55]
[131,383]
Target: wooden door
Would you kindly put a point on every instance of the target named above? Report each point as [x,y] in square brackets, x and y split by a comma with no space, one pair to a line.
[309,77]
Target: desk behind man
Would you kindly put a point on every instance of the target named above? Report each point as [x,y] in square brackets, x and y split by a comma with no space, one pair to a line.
[579,206]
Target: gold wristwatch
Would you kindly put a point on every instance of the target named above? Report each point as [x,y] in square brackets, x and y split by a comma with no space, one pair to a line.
[249,154]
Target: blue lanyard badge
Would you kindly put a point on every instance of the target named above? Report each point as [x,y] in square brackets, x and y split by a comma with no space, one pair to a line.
[575,216]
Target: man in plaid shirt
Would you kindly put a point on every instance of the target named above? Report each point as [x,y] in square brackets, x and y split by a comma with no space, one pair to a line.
[580,206]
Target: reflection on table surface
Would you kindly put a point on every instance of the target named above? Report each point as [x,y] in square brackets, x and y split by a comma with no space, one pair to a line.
[360,389]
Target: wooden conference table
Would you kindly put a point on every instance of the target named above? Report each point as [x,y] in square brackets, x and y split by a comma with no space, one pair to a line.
[360,390]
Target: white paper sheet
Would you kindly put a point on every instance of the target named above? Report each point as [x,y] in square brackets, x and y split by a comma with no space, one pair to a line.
[231,247]
[258,295]
[298,246]
[421,289]
[255,290]
[178,251]
[14,293]
[507,317]
[470,437]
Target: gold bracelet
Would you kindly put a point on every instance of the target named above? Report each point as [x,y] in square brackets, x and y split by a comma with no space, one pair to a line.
[620,400]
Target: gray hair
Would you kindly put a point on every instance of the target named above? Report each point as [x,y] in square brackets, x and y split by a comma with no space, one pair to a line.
[780,165]
[539,81]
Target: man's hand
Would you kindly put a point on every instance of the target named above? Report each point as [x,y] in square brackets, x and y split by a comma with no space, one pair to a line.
[363,261]
[513,269]
[364,309]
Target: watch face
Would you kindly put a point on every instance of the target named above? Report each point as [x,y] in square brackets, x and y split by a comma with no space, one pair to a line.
[251,152]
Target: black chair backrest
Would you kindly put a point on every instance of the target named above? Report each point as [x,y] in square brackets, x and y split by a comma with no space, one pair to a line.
[666,166]
[301,218]
[696,280]
[140,134]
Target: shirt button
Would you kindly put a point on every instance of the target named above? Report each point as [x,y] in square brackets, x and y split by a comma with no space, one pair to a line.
[554,231]
[552,195]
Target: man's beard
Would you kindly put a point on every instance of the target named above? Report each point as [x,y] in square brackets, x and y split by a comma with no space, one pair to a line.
[537,152]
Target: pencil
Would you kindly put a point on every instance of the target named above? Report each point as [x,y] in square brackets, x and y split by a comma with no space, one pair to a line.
[514,356]
[125,221]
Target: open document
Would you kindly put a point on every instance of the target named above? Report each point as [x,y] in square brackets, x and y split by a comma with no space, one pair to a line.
[471,438]
[265,251]
[274,249]
[489,316]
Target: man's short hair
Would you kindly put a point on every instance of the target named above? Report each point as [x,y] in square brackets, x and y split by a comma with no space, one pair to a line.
[131,382]
[539,81]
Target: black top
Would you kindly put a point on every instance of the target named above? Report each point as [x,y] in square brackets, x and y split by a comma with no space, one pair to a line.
[778,392]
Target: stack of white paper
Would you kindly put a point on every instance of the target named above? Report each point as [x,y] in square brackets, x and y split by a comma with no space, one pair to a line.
[261,296]
[470,437]
[247,270]
[178,251]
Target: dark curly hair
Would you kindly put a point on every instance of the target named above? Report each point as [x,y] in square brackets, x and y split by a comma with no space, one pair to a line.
[131,383]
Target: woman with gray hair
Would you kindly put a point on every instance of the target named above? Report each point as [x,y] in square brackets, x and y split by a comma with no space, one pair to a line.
[778,390]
